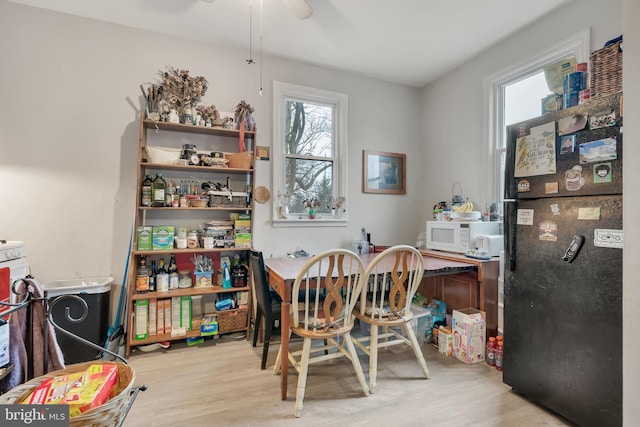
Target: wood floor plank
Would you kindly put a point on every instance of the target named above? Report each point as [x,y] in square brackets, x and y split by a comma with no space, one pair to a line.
[219,383]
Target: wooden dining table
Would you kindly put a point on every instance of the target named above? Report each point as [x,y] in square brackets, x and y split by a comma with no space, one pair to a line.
[282,273]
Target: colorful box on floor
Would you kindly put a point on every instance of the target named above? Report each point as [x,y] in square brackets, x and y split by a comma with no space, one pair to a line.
[445,340]
[469,334]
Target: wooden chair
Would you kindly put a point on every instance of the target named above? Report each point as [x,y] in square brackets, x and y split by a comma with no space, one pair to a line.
[393,278]
[267,307]
[340,273]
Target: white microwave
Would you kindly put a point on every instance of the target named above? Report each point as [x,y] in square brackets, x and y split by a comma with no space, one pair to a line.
[458,236]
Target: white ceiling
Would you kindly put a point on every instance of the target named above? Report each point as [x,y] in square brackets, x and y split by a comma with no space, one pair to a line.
[402,41]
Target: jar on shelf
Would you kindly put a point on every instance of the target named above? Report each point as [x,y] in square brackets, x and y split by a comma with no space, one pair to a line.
[185,279]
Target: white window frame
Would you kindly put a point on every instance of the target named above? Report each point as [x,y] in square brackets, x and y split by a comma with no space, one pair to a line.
[339,101]
[577,45]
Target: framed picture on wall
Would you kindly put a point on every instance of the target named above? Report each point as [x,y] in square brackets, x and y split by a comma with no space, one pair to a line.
[384,172]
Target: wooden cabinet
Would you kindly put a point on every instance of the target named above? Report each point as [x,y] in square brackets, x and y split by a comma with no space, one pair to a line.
[171,137]
[477,289]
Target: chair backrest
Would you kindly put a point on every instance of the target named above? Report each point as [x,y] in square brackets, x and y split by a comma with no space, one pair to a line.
[260,280]
[392,279]
[326,290]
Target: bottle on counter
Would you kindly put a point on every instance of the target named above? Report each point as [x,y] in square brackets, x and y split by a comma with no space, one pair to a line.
[152,277]
[145,197]
[162,277]
[158,191]
[142,279]
[174,277]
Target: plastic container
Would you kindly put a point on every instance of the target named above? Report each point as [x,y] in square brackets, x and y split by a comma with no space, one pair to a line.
[95,292]
[491,351]
[499,355]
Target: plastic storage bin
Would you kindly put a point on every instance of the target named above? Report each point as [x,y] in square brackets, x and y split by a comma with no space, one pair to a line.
[96,292]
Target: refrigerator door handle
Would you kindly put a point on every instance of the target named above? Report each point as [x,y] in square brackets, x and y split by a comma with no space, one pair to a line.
[510,220]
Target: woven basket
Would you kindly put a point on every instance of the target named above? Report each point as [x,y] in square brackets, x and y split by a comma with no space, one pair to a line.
[220,198]
[606,70]
[111,413]
[162,155]
[241,160]
[232,320]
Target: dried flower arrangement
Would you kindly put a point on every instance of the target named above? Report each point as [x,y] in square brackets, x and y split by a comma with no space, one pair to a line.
[243,114]
[311,203]
[208,112]
[180,89]
[337,202]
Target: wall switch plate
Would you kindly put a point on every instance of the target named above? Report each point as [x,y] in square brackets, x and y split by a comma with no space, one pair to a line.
[608,238]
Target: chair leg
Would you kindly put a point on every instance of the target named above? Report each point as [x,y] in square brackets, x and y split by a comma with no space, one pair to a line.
[416,348]
[373,358]
[356,364]
[256,327]
[302,376]
[268,326]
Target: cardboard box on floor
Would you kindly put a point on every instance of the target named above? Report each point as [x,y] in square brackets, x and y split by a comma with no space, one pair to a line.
[469,335]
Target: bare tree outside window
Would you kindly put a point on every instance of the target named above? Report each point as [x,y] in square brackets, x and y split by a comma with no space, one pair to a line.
[310,154]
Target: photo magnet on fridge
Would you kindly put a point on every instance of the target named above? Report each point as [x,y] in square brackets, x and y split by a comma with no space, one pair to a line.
[602,172]
[548,230]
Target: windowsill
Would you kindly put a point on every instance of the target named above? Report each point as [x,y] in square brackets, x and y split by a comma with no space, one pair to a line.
[304,221]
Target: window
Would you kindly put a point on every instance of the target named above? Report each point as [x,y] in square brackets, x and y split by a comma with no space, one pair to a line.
[504,95]
[309,158]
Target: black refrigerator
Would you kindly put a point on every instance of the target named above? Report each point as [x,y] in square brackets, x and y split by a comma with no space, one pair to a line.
[563,261]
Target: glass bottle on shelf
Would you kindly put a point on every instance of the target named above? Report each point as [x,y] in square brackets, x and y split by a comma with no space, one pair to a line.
[158,191]
[145,197]
[169,195]
[152,277]
[142,279]
[162,277]
[174,277]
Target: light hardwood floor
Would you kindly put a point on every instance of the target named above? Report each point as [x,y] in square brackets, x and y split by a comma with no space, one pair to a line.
[219,383]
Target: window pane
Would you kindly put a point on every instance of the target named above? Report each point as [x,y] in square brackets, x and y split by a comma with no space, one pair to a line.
[309,129]
[523,99]
[309,179]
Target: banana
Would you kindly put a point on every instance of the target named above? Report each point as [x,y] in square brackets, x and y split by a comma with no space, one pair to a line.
[468,205]
[458,208]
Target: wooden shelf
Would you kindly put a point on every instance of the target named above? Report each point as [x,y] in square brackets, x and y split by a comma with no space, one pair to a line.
[186,291]
[230,208]
[178,127]
[147,215]
[208,169]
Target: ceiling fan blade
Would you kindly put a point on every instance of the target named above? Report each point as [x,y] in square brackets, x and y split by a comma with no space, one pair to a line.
[300,8]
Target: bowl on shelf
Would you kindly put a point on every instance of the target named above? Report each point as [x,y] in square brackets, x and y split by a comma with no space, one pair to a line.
[199,203]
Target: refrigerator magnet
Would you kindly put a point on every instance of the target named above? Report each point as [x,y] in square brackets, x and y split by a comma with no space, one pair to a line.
[592,214]
[602,172]
[602,120]
[571,124]
[525,217]
[599,150]
[573,178]
[548,230]
[555,209]
[550,187]
[524,186]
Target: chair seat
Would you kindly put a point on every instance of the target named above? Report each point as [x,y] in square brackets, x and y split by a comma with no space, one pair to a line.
[321,333]
[385,321]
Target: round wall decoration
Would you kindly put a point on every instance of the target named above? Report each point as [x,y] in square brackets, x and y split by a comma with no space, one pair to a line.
[261,194]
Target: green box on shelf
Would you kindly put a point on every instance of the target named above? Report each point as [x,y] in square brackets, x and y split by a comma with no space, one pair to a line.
[144,238]
[163,237]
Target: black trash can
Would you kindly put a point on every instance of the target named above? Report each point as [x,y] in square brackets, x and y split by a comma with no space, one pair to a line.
[96,293]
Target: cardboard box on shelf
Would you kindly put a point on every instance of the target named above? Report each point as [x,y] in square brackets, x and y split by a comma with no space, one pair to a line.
[469,335]
[163,237]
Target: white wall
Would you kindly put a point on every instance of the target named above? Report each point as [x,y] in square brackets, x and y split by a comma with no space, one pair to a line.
[69,135]
[631,180]
[454,112]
